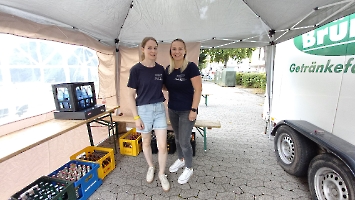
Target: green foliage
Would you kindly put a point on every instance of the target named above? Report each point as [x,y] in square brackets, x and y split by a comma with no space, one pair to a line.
[251,80]
[239,78]
[223,55]
[263,81]
[202,60]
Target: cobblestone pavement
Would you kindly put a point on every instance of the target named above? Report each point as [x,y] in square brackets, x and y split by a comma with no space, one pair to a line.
[240,162]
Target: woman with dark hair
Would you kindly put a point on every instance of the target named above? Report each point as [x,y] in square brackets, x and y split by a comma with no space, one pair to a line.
[146,101]
[184,84]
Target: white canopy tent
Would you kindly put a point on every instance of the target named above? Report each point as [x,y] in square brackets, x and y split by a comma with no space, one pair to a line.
[112,25]
[214,23]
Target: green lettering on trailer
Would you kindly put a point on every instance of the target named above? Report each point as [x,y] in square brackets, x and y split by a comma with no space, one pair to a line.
[328,67]
[334,39]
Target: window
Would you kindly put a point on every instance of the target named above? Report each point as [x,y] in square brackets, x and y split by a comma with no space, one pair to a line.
[29,67]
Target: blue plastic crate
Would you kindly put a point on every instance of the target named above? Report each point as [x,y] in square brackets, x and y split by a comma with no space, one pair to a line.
[88,183]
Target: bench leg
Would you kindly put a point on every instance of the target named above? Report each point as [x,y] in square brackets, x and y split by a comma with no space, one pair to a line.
[205,96]
[90,134]
[205,137]
[116,129]
[111,127]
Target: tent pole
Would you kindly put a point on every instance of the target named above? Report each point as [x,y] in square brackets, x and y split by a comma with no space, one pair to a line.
[118,74]
[269,64]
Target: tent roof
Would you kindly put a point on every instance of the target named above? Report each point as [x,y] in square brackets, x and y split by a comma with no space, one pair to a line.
[214,23]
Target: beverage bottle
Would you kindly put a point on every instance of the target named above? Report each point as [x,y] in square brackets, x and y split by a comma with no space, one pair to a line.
[86,97]
[79,98]
[89,91]
[66,102]
[78,93]
[60,98]
[66,94]
[60,95]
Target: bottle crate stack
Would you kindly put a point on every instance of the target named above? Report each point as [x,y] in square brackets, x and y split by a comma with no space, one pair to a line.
[83,174]
[47,188]
[193,143]
[74,96]
[153,143]
[75,100]
[102,156]
[171,145]
[131,143]
[77,179]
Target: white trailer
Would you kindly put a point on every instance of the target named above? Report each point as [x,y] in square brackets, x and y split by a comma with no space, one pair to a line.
[312,108]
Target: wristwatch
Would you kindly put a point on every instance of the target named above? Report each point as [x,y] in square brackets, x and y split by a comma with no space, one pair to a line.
[193,109]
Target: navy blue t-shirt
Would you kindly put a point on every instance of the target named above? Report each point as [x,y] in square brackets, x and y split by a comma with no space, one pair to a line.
[179,85]
[148,83]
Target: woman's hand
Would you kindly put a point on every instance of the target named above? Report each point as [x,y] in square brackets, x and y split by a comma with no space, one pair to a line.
[192,116]
[139,124]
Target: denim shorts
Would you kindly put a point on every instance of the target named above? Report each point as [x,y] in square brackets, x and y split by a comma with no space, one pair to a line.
[153,116]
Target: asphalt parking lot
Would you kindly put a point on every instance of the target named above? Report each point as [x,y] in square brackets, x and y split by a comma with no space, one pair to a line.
[240,162]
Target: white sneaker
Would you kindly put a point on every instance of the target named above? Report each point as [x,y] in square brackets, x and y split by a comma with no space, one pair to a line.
[177,164]
[164,182]
[150,174]
[185,176]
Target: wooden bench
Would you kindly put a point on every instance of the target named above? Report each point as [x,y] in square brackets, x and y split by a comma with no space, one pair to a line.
[201,125]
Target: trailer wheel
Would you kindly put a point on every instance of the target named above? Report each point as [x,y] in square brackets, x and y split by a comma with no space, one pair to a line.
[293,151]
[330,178]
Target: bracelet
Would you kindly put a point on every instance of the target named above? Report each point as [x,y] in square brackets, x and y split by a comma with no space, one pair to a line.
[136,117]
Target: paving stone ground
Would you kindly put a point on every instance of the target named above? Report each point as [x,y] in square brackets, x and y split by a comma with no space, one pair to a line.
[240,162]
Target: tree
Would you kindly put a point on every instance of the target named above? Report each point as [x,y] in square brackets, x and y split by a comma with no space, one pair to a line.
[202,60]
[223,55]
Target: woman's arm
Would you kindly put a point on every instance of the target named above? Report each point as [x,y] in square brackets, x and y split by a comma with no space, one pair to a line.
[133,108]
[197,84]
[132,101]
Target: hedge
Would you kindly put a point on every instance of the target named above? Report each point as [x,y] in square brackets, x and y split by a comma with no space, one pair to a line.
[251,80]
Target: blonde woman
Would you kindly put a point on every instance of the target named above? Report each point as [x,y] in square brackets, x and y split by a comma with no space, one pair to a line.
[146,103]
[184,84]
